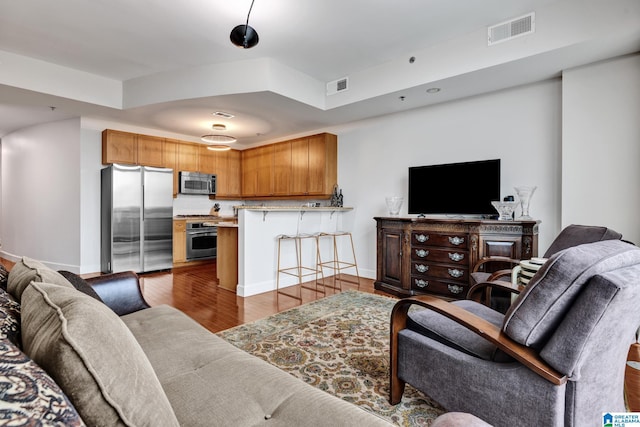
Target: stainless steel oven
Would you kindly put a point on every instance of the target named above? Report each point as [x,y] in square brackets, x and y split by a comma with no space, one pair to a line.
[202,241]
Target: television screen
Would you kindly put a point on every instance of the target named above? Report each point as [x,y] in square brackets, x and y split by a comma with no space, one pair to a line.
[454,188]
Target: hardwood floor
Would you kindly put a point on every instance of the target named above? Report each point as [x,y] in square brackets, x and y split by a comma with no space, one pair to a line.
[195,291]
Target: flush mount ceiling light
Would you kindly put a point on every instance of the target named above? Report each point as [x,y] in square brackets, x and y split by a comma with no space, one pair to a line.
[244,36]
[218,139]
[219,127]
[218,147]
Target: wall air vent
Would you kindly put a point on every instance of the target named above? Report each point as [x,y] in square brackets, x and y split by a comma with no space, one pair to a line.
[339,85]
[511,29]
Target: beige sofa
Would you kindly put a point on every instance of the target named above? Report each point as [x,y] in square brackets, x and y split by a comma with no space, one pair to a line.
[140,367]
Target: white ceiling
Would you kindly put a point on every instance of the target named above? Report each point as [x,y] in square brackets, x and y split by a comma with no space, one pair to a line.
[170,64]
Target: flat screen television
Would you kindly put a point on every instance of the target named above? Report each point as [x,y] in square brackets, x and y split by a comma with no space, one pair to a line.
[454,188]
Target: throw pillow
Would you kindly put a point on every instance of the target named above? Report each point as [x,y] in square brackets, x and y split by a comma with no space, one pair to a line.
[80,284]
[4,275]
[29,394]
[93,356]
[9,318]
[27,270]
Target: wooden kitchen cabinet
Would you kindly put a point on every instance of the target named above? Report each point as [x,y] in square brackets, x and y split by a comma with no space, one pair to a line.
[150,151]
[207,160]
[131,148]
[229,174]
[188,157]
[281,173]
[257,171]
[314,165]
[170,157]
[179,241]
[436,256]
[119,147]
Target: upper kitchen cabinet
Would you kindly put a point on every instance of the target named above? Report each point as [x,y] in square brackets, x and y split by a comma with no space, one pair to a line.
[133,149]
[150,151]
[171,160]
[208,160]
[257,171]
[229,174]
[314,165]
[119,147]
[188,157]
[281,171]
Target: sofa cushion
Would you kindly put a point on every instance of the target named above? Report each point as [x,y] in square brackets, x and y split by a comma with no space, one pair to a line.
[27,270]
[9,318]
[94,358]
[248,391]
[4,276]
[28,393]
[80,284]
[541,306]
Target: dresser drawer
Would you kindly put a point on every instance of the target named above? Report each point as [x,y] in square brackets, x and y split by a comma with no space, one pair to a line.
[441,287]
[451,272]
[424,238]
[440,255]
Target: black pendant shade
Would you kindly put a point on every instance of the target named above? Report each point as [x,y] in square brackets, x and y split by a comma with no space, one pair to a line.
[244,36]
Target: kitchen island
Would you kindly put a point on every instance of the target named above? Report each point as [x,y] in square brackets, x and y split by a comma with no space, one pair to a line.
[258,229]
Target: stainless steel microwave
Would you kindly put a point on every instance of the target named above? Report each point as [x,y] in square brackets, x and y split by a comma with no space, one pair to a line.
[197,183]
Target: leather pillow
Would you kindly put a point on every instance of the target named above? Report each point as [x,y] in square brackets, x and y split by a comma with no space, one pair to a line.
[27,270]
[93,356]
[80,284]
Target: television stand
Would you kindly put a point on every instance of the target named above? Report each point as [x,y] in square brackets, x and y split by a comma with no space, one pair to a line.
[436,256]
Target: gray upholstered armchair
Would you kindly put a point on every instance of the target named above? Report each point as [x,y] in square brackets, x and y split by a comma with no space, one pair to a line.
[556,358]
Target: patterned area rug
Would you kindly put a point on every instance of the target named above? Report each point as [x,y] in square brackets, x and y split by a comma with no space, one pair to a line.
[339,344]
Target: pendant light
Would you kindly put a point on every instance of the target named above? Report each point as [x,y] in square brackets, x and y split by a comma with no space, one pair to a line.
[244,36]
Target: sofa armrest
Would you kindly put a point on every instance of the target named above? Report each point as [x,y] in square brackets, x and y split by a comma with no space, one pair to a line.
[119,291]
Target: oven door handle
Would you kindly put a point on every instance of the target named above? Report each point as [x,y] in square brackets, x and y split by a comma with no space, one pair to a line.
[197,233]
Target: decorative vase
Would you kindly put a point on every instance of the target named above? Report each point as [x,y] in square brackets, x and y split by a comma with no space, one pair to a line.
[505,209]
[394,203]
[524,195]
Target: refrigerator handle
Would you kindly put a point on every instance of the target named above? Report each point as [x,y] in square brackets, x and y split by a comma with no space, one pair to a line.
[143,205]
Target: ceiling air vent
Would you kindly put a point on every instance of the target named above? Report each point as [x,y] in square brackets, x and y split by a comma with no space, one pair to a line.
[336,86]
[223,115]
[511,29]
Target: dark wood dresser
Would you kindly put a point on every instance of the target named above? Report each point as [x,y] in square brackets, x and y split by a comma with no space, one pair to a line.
[436,256]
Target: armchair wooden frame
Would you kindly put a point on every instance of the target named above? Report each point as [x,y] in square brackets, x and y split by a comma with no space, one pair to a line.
[525,355]
[496,275]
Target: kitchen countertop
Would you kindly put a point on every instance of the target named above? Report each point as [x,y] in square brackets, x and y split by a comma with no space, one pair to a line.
[210,218]
[294,208]
[220,224]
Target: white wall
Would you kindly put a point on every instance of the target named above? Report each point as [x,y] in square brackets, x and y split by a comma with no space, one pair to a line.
[41,194]
[601,145]
[521,126]
[90,165]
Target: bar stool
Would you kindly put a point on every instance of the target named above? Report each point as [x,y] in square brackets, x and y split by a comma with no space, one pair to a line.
[299,270]
[337,264]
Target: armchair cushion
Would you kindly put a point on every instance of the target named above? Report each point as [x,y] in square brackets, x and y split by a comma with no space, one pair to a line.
[575,235]
[540,308]
[452,334]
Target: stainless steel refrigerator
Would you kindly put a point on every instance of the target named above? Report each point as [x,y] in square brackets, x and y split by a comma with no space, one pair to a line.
[136,219]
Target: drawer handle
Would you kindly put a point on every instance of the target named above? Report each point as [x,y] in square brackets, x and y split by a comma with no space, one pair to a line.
[422,283]
[422,253]
[456,240]
[456,257]
[455,289]
[422,268]
[454,272]
[422,238]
